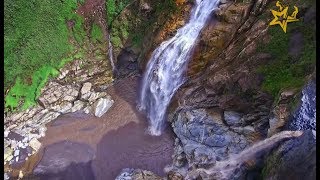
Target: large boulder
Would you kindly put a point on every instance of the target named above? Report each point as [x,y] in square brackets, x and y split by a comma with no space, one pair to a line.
[205,140]
[86,88]
[102,105]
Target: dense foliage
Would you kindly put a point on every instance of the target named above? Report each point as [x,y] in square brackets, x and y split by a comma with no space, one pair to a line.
[36,42]
[114,7]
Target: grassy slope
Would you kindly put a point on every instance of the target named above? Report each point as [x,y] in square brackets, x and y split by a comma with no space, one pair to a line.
[36,44]
[285,71]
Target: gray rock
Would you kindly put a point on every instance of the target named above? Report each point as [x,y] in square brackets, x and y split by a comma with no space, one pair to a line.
[8,153]
[91,97]
[217,140]
[63,74]
[6,133]
[146,7]
[42,131]
[314,134]
[54,92]
[20,144]
[39,115]
[6,143]
[16,152]
[248,130]
[223,1]
[25,139]
[49,117]
[232,118]
[125,174]
[20,175]
[16,116]
[35,144]
[204,139]
[86,88]
[294,159]
[102,105]
[14,144]
[137,174]
[77,105]
[6,176]
[87,110]
[63,107]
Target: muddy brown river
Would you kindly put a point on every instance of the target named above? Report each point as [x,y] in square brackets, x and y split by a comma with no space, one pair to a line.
[80,146]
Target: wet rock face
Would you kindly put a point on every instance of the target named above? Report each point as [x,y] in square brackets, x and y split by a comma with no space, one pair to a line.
[205,140]
[281,112]
[137,174]
[294,159]
[126,64]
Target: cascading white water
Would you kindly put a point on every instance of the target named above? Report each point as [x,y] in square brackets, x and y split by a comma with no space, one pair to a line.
[164,72]
[305,117]
[110,52]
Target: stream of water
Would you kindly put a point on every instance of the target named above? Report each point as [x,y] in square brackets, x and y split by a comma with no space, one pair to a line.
[165,70]
[110,53]
[224,170]
[305,116]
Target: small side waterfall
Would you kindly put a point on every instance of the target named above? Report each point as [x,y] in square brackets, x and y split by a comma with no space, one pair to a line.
[110,52]
[305,116]
[224,170]
[164,72]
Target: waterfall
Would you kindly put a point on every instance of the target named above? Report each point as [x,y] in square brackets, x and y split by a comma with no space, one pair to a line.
[110,52]
[305,117]
[164,72]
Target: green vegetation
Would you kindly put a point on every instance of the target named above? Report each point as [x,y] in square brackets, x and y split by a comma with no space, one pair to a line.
[29,92]
[36,41]
[286,71]
[134,27]
[96,33]
[114,8]
[162,8]
[119,30]
[272,161]
[78,31]
[167,6]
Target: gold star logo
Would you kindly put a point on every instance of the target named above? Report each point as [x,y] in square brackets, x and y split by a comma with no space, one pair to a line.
[281,17]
